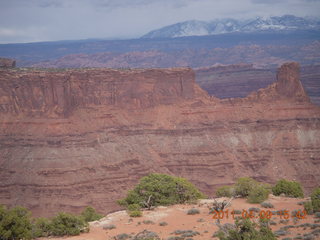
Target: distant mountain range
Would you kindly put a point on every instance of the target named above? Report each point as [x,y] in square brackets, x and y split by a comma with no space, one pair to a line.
[286,23]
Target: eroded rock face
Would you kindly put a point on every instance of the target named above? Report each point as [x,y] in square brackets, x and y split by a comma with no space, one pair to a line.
[91,156]
[288,82]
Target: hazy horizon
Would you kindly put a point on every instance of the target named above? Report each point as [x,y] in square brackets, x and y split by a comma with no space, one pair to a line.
[53,20]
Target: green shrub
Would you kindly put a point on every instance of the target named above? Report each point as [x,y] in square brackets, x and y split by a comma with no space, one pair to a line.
[15,223]
[41,228]
[258,194]
[225,191]
[308,207]
[68,224]
[288,188]
[244,186]
[315,199]
[246,229]
[135,213]
[134,207]
[160,189]
[193,211]
[89,214]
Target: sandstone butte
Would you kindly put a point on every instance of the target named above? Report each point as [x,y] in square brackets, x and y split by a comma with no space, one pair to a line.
[72,138]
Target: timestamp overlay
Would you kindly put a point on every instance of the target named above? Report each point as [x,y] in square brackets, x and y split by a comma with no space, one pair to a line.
[261,214]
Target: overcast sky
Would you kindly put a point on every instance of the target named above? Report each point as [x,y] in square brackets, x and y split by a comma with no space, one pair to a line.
[49,20]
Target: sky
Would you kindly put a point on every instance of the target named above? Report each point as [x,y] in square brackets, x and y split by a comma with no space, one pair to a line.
[51,20]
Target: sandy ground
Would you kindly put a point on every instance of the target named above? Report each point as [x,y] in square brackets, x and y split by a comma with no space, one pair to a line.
[177,219]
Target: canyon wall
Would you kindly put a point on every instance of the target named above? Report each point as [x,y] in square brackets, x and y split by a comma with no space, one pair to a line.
[66,142]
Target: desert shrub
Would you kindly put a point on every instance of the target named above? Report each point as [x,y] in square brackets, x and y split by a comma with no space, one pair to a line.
[258,194]
[148,222]
[317,214]
[163,224]
[225,191]
[134,210]
[257,210]
[246,229]
[315,199]
[146,235]
[160,189]
[308,207]
[193,211]
[109,227]
[134,207]
[267,205]
[15,223]
[288,188]
[280,232]
[135,213]
[122,236]
[41,228]
[273,223]
[68,224]
[244,186]
[89,214]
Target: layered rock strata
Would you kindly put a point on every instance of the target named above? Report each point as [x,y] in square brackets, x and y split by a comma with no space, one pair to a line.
[69,140]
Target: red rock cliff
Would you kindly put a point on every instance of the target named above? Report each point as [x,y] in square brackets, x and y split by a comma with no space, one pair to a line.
[40,93]
[84,137]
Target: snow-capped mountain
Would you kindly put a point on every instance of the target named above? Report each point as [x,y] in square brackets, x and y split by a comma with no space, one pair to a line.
[202,28]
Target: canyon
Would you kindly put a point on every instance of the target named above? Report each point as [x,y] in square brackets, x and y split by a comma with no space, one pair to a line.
[76,137]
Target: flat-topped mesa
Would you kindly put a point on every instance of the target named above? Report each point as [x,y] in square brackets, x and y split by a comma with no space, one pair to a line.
[287,86]
[59,93]
[288,82]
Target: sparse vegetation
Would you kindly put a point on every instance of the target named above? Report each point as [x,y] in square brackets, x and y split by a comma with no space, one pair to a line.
[146,235]
[258,194]
[225,191]
[288,188]
[246,187]
[122,236]
[134,210]
[135,213]
[315,199]
[109,227]
[163,224]
[246,229]
[148,222]
[193,211]
[67,224]
[89,214]
[160,189]
[267,205]
[308,207]
[15,223]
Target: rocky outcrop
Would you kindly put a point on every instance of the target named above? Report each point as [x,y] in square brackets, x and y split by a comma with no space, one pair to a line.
[97,151]
[7,63]
[234,81]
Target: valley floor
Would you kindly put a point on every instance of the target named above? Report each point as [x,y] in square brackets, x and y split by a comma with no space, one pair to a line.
[177,218]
